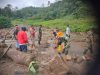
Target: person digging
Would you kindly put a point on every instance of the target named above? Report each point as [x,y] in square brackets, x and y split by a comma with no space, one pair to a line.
[62,43]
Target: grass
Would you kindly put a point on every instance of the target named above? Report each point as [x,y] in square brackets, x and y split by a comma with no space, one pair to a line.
[76,25]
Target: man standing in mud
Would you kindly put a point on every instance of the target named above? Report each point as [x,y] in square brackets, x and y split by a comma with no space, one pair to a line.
[17,29]
[22,39]
[40,34]
[68,31]
[32,35]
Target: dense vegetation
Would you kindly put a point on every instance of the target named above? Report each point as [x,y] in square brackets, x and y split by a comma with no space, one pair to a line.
[77,25]
[5,17]
[5,22]
[77,8]
[77,13]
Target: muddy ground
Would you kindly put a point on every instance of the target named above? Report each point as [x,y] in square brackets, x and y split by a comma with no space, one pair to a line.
[47,58]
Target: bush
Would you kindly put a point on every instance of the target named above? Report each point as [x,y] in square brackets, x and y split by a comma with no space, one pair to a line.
[76,25]
[5,22]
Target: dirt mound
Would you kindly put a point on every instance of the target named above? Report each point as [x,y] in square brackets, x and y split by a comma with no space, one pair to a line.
[20,57]
[10,68]
[2,47]
[6,33]
[54,67]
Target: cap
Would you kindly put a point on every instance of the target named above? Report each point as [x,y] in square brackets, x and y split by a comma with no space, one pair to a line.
[60,34]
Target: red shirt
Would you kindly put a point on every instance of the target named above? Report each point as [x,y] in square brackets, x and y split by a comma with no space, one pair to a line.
[22,37]
[32,32]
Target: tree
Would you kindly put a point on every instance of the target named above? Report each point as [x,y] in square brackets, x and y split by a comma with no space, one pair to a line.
[49,3]
[58,0]
[7,12]
[59,9]
[5,22]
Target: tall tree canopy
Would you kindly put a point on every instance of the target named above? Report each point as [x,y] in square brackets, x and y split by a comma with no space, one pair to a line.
[61,8]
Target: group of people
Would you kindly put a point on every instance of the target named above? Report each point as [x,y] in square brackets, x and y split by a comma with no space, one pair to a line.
[22,40]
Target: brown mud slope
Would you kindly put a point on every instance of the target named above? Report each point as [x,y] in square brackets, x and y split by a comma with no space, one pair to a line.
[48,60]
[10,68]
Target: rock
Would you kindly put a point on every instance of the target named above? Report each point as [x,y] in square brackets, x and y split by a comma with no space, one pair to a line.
[68,57]
[3,45]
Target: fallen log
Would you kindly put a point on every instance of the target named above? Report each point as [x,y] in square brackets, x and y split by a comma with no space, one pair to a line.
[20,57]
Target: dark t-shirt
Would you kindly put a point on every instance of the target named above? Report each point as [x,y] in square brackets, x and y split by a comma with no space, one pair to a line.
[61,40]
[54,33]
[15,33]
[40,32]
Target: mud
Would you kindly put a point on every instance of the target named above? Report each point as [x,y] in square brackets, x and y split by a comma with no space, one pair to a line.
[47,58]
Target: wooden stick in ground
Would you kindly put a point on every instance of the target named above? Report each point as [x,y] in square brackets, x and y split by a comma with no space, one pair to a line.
[6,51]
[7,48]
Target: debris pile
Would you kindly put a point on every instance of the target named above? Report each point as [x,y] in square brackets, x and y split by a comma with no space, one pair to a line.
[54,67]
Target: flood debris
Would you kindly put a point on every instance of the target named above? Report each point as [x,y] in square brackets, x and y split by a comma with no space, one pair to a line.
[54,67]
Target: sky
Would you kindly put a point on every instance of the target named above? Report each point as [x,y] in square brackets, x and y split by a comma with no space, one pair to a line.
[25,3]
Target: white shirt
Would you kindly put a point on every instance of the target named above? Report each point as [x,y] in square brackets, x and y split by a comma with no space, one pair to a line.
[68,31]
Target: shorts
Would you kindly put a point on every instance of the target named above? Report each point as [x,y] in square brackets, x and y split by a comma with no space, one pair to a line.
[23,48]
[17,44]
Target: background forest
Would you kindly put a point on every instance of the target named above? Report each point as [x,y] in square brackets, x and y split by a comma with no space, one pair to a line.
[77,13]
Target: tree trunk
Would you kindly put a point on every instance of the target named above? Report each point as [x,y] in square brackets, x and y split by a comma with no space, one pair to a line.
[20,57]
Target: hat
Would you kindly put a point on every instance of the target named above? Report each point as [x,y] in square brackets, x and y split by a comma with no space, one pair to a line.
[60,34]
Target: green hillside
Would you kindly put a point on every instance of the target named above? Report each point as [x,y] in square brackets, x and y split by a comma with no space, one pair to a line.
[77,25]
